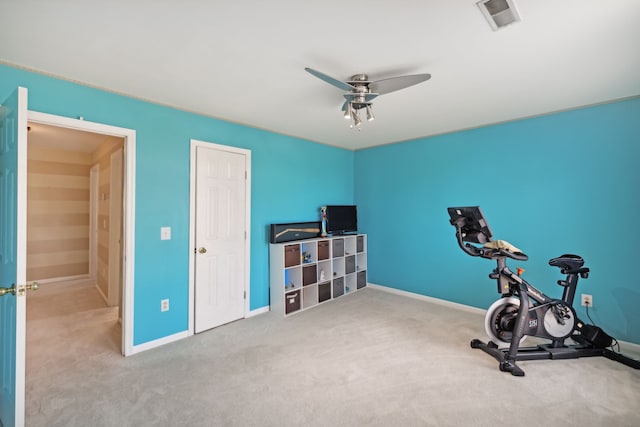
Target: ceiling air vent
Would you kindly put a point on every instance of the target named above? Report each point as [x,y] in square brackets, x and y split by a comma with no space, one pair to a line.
[499,13]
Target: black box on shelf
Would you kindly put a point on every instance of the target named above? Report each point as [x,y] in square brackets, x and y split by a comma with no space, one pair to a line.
[291,255]
[338,287]
[323,250]
[338,248]
[309,274]
[350,264]
[324,291]
[292,301]
[362,279]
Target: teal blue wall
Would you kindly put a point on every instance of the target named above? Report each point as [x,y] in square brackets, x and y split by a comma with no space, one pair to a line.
[290,181]
[562,183]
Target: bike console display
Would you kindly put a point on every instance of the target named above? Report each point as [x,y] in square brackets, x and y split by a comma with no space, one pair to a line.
[471,223]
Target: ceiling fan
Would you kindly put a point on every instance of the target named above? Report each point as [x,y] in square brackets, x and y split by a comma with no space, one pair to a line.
[361,91]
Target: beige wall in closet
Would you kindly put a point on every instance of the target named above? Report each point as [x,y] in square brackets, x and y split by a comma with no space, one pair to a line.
[59,208]
[57,213]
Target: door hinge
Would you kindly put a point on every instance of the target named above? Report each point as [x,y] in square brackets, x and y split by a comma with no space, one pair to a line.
[245,294]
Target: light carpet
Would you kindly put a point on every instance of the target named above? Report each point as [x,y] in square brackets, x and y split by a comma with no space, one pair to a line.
[371,358]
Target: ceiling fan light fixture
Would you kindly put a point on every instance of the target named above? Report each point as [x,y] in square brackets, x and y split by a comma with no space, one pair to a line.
[356,119]
[499,13]
[370,115]
[347,111]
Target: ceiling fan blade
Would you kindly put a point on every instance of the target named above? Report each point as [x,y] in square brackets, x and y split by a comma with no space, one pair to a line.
[368,97]
[396,83]
[337,83]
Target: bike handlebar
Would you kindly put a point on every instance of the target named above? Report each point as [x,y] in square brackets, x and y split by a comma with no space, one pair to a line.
[488,253]
[515,255]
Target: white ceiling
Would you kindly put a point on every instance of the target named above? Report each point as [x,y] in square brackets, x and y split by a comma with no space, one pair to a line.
[243,61]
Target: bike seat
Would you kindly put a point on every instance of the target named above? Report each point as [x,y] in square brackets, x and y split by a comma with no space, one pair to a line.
[568,263]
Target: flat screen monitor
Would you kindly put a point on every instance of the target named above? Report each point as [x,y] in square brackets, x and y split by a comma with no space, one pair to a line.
[342,219]
[471,222]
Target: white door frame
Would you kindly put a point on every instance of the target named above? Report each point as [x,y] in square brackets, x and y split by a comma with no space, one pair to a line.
[129,136]
[192,225]
[93,221]
[115,228]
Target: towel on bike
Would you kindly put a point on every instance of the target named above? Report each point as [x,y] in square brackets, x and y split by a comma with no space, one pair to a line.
[502,244]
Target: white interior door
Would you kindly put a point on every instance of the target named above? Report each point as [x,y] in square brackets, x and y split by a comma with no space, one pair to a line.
[13,233]
[220,237]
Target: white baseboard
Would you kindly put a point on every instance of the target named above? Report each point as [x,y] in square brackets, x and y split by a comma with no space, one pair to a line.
[258,311]
[62,279]
[629,347]
[632,347]
[428,299]
[159,342]
[624,345]
[181,335]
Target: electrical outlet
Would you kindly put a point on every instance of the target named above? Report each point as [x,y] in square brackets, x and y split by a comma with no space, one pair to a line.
[587,300]
[164,305]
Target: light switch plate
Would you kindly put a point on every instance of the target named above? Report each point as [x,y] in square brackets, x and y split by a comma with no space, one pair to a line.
[165,233]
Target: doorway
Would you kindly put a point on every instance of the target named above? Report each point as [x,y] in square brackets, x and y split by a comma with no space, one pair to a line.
[90,251]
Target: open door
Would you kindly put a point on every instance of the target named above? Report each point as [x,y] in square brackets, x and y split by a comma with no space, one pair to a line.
[13,204]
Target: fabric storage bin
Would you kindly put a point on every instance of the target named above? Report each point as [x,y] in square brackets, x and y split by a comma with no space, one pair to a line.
[292,302]
[291,255]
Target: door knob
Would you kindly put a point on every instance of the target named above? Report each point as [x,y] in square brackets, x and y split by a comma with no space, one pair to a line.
[202,250]
[20,290]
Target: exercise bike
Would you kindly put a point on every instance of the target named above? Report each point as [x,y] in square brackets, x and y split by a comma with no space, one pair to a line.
[524,310]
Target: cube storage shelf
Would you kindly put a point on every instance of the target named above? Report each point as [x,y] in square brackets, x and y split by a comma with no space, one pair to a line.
[309,272]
